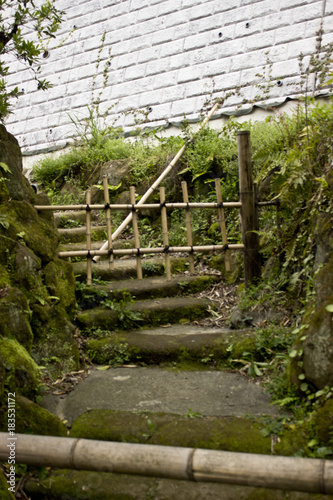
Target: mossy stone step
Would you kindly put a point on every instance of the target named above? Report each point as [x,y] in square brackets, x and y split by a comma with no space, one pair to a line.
[95,245]
[84,485]
[175,343]
[147,312]
[190,430]
[78,234]
[79,216]
[148,288]
[126,268]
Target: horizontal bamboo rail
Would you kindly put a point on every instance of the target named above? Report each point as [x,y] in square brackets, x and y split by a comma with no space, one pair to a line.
[275,472]
[140,251]
[128,206]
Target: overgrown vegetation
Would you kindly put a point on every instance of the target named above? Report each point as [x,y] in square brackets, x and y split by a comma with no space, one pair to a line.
[292,163]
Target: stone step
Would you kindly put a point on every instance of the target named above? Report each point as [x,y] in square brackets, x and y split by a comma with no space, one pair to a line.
[174,392]
[79,234]
[126,268]
[96,245]
[63,219]
[175,344]
[147,288]
[152,312]
[84,485]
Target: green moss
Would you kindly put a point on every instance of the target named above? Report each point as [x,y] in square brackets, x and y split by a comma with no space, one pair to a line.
[22,373]
[323,421]
[5,494]
[54,346]
[60,281]
[245,345]
[35,232]
[14,317]
[293,441]
[31,418]
[4,277]
[215,433]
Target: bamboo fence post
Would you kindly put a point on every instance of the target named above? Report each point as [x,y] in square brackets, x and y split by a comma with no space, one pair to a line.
[88,229]
[158,181]
[221,219]
[108,221]
[165,233]
[188,226]
[252,265]
[136,234]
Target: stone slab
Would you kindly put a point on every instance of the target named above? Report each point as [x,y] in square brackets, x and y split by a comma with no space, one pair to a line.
[210,393]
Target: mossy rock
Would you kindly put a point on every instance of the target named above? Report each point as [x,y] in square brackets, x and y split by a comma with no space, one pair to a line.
[323,421]
[5,279]
[31,418]
[24,223]
[293,441]
[54,346]
[236,265]
[22,373]
[16,184]
[60,282]
[318,347]
[5,494]
[15,316]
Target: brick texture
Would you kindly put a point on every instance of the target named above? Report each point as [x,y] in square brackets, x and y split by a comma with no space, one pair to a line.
[163,56]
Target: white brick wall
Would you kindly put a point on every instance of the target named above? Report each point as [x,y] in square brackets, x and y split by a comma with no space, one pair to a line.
[167,55]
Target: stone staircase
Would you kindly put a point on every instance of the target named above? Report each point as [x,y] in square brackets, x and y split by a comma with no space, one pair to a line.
[159,376]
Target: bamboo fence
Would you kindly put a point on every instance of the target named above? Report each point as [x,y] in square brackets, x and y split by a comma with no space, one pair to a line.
[275,472]
[138,251]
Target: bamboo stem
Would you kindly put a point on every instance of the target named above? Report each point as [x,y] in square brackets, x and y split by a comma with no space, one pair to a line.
[142,206]
[136,234]
[165,233]
[108,221]
[221,219]
[88,229]
[188,226]
[249,469]
[147,250]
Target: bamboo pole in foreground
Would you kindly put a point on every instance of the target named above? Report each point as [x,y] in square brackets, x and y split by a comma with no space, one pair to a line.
[286,473]
[158,181]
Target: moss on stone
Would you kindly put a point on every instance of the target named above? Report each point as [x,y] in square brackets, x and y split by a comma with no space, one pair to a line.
[31,418]
[22,373]
[36,233]
[323,421]
[60,281]
[293,441]
[215,433]
[15,316]
[54,345]
[5,494]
